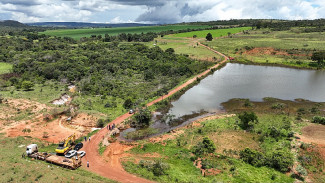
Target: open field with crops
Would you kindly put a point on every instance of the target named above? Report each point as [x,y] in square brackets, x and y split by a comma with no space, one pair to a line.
[215,32]
[78,33]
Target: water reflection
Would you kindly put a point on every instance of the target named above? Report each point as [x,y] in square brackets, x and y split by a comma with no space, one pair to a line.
[252,82]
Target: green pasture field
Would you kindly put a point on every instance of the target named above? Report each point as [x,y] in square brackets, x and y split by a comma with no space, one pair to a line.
[186,47]
[215,33]
[87,32]
[302,44]
[5,67]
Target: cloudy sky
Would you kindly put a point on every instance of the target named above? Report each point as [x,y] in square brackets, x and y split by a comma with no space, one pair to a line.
[157,11]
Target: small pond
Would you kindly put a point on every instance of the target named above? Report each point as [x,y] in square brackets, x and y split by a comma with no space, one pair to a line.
[251,82]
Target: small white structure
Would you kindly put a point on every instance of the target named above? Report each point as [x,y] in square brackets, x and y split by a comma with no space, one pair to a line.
[62,100]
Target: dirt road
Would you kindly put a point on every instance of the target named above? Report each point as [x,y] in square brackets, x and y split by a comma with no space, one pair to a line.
[113,169]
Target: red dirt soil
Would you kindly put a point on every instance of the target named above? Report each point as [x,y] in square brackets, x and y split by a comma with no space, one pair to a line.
[113,169]
[314,133]
[56,129]
[271,51]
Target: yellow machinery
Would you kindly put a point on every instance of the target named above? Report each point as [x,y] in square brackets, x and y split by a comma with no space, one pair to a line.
[65,145]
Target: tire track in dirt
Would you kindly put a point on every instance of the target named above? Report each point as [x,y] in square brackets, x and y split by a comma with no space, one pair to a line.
[113,169]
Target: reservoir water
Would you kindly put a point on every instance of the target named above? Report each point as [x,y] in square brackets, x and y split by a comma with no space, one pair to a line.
[251,82]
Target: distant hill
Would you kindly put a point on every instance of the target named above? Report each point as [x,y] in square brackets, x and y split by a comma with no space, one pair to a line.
[84,24]
[11,23]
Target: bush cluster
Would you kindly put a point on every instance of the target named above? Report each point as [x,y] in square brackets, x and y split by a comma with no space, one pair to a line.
[278,159]
[157,167]
[319,120]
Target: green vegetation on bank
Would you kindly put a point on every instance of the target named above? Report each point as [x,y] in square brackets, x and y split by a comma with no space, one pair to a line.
[173,161]
[215,33]
[79,33]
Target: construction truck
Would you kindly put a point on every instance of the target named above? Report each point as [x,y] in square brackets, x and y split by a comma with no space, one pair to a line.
[32,148]
[66,145]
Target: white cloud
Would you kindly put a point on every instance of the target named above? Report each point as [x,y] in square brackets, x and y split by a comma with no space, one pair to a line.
[160,11]
[118,19]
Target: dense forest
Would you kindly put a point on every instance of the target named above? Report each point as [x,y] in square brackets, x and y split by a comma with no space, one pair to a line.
[99,68]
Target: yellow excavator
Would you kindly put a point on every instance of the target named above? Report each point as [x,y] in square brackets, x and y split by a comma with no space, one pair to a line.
[65,145]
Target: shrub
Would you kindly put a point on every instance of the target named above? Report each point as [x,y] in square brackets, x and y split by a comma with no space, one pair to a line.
[27,85]
[281,160]
[252,157]
[276,133]
[100,123]
[128,104]
[204,147]
[209,37]
[170,50]
[319,120]
[248,103]
[141,119]
[157,167]
[248,119]
[278,106]
[301,170]
[206,164]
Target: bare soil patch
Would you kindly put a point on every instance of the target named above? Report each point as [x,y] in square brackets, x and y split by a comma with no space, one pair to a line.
[272,51]
[54,130]
[313,133]
[234,140]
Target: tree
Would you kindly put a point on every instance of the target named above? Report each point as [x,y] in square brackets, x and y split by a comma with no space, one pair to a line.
[259,25]
[281,160]
[319,56]
[170,50]
[27,85]
[142,118]
[252,157]
[248,119]
[128,104]
[204,147]
[100,123]
[209,37]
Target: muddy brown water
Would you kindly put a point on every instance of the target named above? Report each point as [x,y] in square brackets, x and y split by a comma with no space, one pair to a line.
[252,82]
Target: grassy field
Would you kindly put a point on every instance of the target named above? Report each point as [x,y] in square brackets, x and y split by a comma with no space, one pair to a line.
[278,47]
[43,93]
[176,153]
[5,67]
[186,47]
[94,105]
[183,45]
[17,169]
[215,33]
[78,33]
